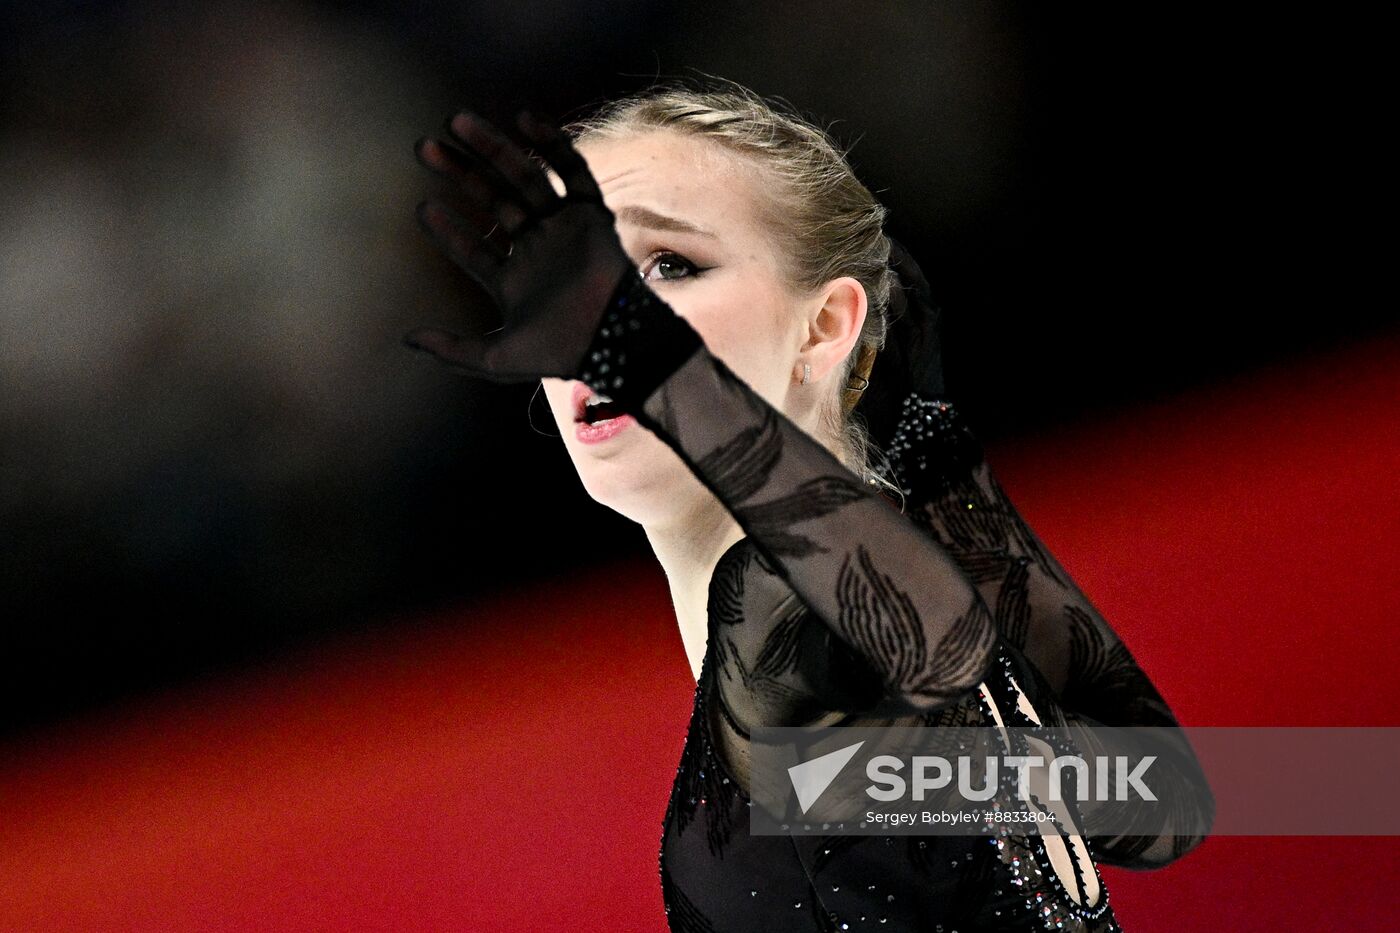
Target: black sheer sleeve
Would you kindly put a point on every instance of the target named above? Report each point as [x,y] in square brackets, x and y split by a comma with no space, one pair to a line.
[886,591]
[1085,674]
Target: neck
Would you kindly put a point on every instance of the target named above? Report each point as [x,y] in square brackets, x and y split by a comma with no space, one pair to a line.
[688,546]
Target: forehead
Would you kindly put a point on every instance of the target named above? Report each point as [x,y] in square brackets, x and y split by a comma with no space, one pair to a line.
[685,177]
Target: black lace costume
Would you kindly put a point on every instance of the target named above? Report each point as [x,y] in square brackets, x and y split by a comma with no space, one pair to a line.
[835,608]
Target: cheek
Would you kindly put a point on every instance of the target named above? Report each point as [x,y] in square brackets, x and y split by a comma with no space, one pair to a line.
[557,392]
[747,330]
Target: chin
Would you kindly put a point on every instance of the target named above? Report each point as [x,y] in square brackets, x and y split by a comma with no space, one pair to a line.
[647,482]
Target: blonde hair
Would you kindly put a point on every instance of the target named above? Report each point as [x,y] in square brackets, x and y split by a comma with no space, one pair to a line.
[825,221]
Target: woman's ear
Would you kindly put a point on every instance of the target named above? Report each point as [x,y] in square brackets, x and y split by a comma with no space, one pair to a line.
[837,316]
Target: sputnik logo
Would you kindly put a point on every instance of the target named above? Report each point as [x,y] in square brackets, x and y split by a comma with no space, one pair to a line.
[810,779]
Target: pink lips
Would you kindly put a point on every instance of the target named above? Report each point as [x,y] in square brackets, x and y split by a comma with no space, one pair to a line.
[599,431]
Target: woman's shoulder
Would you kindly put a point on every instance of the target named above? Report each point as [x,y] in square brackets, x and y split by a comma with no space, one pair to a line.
[746,582]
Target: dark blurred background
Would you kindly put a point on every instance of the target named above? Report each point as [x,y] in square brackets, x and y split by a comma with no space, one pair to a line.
[213,445]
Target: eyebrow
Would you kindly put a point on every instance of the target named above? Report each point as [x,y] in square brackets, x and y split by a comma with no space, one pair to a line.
[646,217]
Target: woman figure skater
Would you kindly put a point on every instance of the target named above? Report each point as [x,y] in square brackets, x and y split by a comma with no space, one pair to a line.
[740,359]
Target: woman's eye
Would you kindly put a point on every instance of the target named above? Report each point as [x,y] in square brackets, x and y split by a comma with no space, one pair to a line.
[672,266]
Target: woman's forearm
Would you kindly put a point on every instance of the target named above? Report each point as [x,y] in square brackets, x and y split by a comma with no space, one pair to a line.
[879,582]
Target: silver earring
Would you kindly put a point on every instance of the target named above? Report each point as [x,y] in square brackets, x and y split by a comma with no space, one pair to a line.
[806,372]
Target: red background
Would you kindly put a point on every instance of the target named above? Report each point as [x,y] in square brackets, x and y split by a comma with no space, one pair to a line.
[435,775]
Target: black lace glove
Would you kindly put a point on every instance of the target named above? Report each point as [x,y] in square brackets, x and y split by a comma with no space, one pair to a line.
[572,302]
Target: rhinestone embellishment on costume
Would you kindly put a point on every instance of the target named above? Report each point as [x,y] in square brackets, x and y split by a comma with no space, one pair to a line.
[931,446]
[639,342]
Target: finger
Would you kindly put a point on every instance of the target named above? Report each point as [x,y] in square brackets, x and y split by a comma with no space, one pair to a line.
[468,249]
[460,351]
[481,184]
[558,150]
[483,356]
[478,209]
[507,157]
[475,218]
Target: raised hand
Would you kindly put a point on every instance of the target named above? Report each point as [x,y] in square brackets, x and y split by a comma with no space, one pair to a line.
[564,261]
